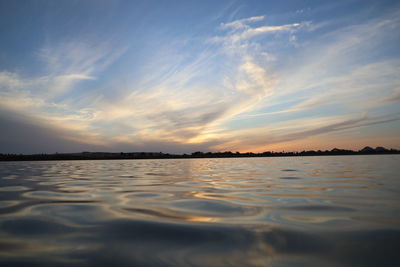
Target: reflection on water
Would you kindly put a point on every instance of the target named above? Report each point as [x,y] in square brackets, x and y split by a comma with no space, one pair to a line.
[296,211]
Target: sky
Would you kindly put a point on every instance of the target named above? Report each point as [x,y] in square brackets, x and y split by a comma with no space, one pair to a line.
[185,76]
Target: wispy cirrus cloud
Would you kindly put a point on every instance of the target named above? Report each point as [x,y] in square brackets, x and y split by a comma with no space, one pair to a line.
[188,109]
[241,23]
[333,70]
[234,90]
[50,97]
[242,32]
[330,76]
[260,139]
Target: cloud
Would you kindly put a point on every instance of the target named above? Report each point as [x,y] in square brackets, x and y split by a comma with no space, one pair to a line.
[171,104]
[337,70]
[186,99]
[22,133]
[50,98]
[254,79]
[36,93]
[245,33]
[296,130]
[367,86]
[69,77]
[241,23]
[197,94]
[65,65]
[9,80]
[184,113]
[79,56]
[26,134]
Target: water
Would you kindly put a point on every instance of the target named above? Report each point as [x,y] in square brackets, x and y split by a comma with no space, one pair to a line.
[294,211]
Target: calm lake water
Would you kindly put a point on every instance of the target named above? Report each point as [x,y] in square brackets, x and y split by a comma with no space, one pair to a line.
[289,211]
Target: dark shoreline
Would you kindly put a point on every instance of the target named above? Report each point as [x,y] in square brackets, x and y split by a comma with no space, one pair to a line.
[160,155]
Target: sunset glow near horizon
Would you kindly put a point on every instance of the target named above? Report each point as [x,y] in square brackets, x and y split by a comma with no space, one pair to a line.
[185,76]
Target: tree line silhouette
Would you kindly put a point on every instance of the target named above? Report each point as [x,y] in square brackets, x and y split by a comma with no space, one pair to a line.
[160,155]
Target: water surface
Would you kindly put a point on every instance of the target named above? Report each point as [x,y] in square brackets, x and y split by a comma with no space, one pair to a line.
[289,211]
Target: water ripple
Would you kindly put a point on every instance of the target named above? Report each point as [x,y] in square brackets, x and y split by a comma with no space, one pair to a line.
[312,211]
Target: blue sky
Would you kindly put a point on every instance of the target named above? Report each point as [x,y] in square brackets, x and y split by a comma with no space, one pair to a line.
[182,76]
